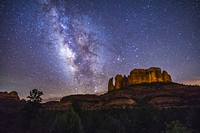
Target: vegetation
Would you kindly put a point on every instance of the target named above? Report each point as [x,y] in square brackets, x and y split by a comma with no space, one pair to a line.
[67,122]
[35,96]
[176,127]
[142,118]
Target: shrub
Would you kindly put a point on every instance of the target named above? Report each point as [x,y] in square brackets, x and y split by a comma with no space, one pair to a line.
[67,122]
[35,96]
[176,127]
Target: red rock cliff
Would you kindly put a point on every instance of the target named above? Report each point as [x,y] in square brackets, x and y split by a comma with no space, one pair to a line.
[138,76]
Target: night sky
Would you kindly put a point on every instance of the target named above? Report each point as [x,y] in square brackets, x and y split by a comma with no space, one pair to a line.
[67,47]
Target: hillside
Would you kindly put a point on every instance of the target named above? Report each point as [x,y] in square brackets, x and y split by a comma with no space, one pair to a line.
[160,95]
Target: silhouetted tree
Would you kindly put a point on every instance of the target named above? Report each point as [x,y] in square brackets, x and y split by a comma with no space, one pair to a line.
[31,109]
[35,96]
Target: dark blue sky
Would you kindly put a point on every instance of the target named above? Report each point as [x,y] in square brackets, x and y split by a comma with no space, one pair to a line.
[66,47]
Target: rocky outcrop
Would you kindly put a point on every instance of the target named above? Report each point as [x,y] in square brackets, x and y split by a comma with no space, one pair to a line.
[10,102]
[9,96]
[166,77]
[138,76]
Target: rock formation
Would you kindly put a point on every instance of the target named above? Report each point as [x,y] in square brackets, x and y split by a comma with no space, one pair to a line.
[124,83]
[118,81]
[138,76]
[9,96]
[110,85]
[10,102]
[166,77]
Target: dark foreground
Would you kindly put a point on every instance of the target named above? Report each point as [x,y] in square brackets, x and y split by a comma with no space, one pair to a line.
[144,108]
[140,119]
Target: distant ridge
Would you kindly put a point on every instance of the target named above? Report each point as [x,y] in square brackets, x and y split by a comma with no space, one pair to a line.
[158,94]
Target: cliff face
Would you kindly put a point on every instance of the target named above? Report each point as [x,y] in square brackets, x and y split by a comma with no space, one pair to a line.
[138,76]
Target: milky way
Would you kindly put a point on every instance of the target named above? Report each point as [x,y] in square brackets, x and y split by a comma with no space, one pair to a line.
[78,45]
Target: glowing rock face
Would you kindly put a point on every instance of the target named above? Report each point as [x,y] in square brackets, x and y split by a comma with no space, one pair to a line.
[138,76]
[150,75]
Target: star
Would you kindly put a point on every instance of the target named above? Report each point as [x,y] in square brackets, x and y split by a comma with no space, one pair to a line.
[74,47]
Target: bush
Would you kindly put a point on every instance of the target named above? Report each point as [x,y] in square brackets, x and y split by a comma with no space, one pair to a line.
[67,122]
[35,96]
[176,127]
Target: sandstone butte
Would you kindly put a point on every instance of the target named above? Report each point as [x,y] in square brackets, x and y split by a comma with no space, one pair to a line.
[139,76]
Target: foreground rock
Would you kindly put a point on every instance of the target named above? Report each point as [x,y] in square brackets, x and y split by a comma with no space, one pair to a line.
[138,76]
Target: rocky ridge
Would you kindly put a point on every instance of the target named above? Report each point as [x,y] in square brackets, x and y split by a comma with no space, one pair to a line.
[159,95]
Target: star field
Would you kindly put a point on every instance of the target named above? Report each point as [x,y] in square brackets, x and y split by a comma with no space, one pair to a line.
[73,47]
